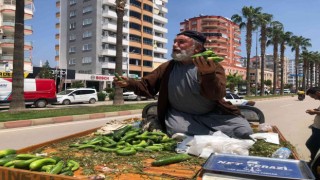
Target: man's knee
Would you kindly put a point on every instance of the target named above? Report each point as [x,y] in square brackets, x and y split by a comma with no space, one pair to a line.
[243,132]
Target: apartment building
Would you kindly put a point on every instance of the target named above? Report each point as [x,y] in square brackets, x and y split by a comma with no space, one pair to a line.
[87,38]
[7,23]
[223,37]
[292,72]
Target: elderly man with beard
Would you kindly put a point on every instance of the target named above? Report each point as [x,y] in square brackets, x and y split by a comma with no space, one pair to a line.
[191,92]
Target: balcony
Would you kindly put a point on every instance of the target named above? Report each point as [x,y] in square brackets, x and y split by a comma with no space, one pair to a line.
[113,40]
[9,8]
[160,50]
[9,43]
[160,29]
[8,26]
[160,19]
[58,3]
[214,25]
[113,27]
[160,39]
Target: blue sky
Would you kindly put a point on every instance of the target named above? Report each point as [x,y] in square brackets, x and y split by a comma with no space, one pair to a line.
[301,17]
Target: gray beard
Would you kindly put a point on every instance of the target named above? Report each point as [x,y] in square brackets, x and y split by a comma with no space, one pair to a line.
[184,55]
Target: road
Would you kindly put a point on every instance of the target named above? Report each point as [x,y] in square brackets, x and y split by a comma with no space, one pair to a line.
[288,114]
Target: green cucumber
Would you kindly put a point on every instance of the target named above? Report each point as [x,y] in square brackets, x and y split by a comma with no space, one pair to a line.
[57,168]
[75,166]
[117,135]
[171,160]
[126,151]
[24,164]
[36,165]
[26,156]
[6,152]
[7,158]
[118,77]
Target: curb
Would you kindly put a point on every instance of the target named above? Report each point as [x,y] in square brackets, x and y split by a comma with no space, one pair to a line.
[63,119]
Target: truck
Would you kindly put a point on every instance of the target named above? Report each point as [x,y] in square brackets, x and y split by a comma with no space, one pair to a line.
[37,92]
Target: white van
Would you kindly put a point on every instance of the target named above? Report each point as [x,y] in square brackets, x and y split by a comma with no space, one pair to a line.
[77,96]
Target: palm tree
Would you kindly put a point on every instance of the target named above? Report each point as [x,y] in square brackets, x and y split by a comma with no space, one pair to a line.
[233,80]
[297,43]
[316,60]
[284,40]
[120,4]
[250,14]
[263,20]
[306,57]
[274,35]
[17,103]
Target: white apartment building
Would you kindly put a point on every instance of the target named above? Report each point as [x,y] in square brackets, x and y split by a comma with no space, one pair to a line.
[7,23]
[87,38]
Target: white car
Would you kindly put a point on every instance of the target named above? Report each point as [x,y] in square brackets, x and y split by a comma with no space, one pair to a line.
[237,100]
[77,96]
[130,95]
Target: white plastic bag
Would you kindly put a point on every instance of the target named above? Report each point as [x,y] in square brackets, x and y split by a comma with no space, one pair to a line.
[204,145]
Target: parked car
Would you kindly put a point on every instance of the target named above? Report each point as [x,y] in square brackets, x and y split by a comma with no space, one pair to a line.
[79,95]
[237,100]
[130,95]
[37,92]
[286,91]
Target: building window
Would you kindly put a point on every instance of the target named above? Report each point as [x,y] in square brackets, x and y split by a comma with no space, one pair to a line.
[147,41]
[147,63]
[136,62]
[72,49]
[135,50]
[72,61]
[86,60]
[72,37]
[135,26]
[147,30]
[147,7]
[135,3]
[147,52]
[147,18]
[72,25]
[87,9]
[87,22]
[72,14]
[86,47]
[72,2]
[135,14]
[135,38]
[86,34]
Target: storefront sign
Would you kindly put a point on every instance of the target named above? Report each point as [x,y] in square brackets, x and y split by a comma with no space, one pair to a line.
[9,74]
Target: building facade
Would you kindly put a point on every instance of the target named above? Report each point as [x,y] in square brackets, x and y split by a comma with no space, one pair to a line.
[223,37]
[291,72]
[87,37]
[7,24]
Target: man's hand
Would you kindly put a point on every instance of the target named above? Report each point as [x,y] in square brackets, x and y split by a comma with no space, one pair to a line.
[204,66]
[312,111]
[121,83]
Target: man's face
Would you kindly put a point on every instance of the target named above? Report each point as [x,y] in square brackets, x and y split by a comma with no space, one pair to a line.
[183,48]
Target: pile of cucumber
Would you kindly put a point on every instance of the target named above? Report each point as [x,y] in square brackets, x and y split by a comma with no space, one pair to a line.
[53,165]
[209,55]
[128,141]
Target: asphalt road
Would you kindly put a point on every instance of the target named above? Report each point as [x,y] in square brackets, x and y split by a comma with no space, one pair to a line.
[288,114]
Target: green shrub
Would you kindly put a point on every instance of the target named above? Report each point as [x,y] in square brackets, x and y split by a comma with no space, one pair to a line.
[111,96]
[101,96]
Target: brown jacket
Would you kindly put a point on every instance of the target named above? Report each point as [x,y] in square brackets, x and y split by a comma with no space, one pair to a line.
[213,86]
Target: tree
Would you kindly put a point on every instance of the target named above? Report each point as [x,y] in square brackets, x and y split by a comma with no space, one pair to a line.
[297,43]
[285,38]
[17,102]
[120,4]
[233,80]
[250,14]
[274,33]
[45,71]
[263,20]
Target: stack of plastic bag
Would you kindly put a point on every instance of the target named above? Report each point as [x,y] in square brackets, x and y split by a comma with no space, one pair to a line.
[204,145]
